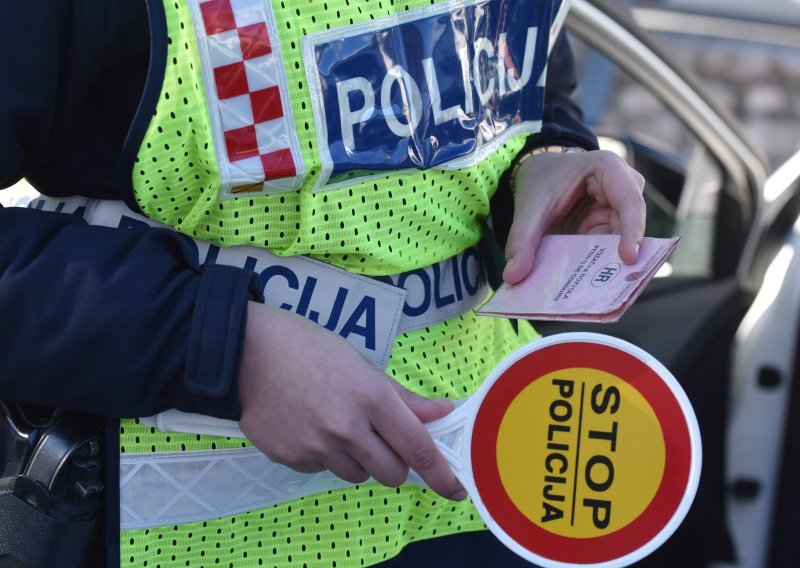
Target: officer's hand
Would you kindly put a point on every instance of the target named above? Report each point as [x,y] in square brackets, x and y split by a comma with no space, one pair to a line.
[311,401]
[587,192]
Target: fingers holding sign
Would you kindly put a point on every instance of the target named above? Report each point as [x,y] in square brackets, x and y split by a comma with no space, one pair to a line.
[404,431]
[581,192]
[310,401]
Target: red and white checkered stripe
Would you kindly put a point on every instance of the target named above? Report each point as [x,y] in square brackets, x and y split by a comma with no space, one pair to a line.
[247,90]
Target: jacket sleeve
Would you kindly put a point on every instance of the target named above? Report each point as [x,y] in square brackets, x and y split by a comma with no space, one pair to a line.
[116,322]
[562,124]
[562,120]
[72,74]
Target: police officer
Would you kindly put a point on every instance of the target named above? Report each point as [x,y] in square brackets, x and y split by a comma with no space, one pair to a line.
[316,130]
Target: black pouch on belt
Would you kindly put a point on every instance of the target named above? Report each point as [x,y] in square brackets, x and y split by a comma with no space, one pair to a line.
[50,486]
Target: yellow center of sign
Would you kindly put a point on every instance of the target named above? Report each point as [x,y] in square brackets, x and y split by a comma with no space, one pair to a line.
[580,452]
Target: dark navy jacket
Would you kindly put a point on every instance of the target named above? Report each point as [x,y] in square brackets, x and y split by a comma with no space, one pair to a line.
[104,320]
[120,322]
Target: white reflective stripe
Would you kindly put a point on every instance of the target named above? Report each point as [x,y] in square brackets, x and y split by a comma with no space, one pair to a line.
[158,489]
[441,291]
[364,311]
[184,487]
[174,420]
[367,312]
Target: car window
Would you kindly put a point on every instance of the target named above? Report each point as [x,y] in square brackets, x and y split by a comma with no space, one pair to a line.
[683,179]
[746,55]
[730,77]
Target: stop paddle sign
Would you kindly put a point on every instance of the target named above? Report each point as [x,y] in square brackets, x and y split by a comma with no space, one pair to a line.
[579,449]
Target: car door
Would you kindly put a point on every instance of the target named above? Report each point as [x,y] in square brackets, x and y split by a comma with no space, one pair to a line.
[703,183]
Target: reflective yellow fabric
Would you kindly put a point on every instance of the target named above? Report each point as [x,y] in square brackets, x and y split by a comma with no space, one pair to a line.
[356,527]
[384,226]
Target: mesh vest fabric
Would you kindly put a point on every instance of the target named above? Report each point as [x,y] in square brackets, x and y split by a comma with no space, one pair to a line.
[385,226]
[353,527]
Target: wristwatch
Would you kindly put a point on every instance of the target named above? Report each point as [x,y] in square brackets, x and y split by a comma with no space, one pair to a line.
[540,150]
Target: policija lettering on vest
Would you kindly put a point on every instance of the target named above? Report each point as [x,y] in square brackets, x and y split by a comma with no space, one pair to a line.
[502,82]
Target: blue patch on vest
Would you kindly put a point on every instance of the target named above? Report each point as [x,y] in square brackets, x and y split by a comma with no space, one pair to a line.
[427,87]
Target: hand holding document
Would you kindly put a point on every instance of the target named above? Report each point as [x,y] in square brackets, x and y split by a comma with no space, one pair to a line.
[580,278]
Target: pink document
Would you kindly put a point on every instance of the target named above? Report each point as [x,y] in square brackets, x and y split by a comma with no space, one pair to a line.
[580,278]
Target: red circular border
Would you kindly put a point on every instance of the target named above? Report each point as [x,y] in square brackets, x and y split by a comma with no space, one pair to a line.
[638,374]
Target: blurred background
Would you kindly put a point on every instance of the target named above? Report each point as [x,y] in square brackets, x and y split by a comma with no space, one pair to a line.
[720,152]
[745,53]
